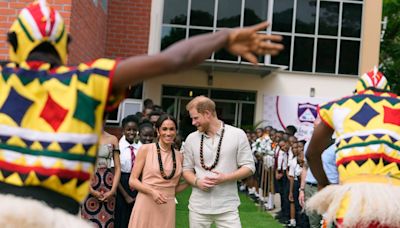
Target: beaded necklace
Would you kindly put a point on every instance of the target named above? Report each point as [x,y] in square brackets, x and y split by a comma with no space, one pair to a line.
[161,164]
[209,168]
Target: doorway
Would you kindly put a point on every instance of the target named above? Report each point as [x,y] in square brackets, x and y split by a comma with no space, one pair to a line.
[238,110]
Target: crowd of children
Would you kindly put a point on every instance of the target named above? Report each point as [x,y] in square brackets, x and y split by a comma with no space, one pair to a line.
[279,158]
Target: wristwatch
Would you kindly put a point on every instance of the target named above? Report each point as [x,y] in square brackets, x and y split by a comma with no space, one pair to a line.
[301,189]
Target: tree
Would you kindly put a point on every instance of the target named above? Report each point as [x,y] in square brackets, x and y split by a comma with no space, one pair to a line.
[390,46]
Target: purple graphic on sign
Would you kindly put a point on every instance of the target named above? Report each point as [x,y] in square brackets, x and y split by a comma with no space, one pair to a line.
[307,112]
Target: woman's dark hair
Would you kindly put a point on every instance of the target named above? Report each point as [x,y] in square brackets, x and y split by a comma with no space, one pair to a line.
[129,118]
[163,118]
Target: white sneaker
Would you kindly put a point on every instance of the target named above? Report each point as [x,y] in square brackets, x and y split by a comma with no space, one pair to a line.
[292,223]
[270,201]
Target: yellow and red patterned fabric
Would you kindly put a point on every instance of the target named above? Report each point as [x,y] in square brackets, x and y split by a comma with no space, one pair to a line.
[36,24]
[367,128]
[50,123]
[367,133]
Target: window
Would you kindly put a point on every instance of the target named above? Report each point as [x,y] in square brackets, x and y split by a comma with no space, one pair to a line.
[232,106]
[187,18]
[320,36]
[134,93]
[324,35]
[104,4]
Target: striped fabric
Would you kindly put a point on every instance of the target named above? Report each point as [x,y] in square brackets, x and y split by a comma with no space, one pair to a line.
[50,122]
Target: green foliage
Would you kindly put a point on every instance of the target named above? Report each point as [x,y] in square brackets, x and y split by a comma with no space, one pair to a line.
[390,47]
[253,127]
[250,215]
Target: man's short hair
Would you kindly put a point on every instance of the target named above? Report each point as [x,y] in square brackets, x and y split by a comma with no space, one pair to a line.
[202,104]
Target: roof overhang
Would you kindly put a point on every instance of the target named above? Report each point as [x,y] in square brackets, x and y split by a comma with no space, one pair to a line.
[262,70]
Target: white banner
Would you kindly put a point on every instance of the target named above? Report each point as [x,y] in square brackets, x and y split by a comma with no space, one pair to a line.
[282,111]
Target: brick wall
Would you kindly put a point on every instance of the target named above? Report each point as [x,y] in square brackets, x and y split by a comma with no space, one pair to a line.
[128,28]
[88,31]
[9,10]
[122,32]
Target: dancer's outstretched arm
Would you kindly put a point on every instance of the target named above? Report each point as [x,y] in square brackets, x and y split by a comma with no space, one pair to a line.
[245,42]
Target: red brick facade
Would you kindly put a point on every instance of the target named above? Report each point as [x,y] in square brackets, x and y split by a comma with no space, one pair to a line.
[88,31]
[120,32]
[128,28]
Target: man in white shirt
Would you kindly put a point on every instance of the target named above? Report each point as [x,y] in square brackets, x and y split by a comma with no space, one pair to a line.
[216,156]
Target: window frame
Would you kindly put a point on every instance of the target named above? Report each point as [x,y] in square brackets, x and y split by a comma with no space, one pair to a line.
[292,34]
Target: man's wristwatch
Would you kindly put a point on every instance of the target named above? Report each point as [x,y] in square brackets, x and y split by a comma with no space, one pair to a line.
[301,189]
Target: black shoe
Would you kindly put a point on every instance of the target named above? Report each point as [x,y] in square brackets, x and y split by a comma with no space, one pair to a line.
[284,220]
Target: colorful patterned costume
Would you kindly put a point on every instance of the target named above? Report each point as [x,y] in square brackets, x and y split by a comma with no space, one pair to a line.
[367,156]
[101,213]
[50,122]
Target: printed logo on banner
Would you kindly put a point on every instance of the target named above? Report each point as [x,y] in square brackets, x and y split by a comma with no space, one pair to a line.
[307,112]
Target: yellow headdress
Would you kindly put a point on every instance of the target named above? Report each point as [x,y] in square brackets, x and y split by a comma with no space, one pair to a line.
[36,24]
[373,78]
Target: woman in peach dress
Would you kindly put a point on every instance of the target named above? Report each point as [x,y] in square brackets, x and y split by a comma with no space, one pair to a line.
[161,167]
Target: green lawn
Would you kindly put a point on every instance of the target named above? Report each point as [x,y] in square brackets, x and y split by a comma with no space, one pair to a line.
[250,215]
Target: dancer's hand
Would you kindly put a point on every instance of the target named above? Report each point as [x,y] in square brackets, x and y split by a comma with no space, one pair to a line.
[205,184]
[158,197]
[247,43]
[301,198]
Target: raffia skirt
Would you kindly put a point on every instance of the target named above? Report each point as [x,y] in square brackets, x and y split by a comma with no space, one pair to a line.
[369,201]
[23,212]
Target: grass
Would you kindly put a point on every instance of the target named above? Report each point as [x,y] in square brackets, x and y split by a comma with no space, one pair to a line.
[251,216]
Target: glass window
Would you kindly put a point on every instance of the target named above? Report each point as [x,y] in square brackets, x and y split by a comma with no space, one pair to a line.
[303,54]
[170,35]
[135,91]
[202,13]
[284,57]
[305,16]
[328,18]
[168,105]
[351,21]
[104,4]
[349,57]
[326,55]
[226,111]
[282,16]
[183,92]
[195,32]
[255,11]
[176,12]
[212,15]
[224,55]
[247,119]
[229,12]
[113,115]
[233,95]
